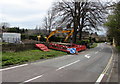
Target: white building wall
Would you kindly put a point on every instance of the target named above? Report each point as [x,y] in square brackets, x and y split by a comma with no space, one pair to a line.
[11,37]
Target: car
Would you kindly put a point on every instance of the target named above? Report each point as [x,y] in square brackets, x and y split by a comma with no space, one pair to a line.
[105,42]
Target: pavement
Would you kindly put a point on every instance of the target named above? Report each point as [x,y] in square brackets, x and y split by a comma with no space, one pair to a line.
[89,66]
[114,75]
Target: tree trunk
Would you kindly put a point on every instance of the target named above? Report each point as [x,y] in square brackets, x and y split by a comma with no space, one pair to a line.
[80,34]
[74,33]
[80,29]
[75,25]
[81,25]
[49,30]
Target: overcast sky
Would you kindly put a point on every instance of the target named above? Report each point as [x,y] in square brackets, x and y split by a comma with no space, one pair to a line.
[24,13]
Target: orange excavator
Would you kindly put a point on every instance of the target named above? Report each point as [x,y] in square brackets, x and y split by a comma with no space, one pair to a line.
[66,47]
[70,32]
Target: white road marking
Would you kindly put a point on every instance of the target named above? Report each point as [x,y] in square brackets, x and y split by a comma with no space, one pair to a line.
[111,70]
[67,65]
[100,78]
[109,63]
[96,52]
[32,79]
[105,70]
[13,67]
[87,56]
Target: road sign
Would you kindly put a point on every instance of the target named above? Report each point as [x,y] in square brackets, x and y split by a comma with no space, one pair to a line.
[72,50]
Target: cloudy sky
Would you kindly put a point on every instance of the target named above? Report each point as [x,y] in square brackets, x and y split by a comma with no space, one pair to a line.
[24,13]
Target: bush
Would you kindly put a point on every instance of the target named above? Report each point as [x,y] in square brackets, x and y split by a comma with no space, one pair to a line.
[84,42]
[42,38]
[33,37]
[23,36]
[56,39]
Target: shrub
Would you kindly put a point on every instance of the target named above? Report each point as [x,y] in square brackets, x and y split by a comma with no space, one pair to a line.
[84,42]
[23,36]
[56,39]
[33,37]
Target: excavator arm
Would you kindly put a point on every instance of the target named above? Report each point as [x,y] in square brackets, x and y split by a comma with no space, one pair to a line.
[69,35]
[51,34]
[61,31]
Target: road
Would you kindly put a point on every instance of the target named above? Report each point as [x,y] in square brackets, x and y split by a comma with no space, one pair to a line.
[88,66]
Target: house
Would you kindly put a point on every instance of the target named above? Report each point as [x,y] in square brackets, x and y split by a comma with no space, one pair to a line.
[85,35]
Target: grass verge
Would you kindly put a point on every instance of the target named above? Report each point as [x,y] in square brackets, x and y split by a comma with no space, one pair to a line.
[93,45]
[12,58]
[118,47]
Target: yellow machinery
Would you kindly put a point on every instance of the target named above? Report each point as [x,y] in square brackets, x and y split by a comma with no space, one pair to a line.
[70,32]
[38,37]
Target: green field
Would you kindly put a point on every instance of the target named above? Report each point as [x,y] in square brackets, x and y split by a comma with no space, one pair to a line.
[12,58]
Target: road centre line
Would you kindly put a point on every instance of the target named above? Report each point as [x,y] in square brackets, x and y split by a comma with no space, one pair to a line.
[13,67]
[67,65]
[32,79]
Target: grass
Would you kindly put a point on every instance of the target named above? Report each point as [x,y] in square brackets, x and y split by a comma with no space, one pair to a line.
[3,43]
[0,58]
[12,58]
[93,45]
[118,47]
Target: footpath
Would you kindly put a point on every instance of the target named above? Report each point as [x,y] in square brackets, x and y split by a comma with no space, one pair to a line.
[115,73]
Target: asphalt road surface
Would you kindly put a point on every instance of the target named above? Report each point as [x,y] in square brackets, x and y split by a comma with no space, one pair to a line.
[88,66]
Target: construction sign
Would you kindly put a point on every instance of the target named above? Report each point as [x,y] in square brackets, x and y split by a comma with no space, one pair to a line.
[72,50]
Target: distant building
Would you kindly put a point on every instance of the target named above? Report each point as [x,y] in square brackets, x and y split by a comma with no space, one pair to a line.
[102,38]
[11,37]
[85,35]
[95,35]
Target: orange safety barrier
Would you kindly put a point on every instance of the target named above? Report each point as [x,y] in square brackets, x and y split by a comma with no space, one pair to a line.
[42,47]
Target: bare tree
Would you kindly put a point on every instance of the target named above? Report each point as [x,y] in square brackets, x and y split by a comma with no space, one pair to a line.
[4,25]
[49,21]
[80,14]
